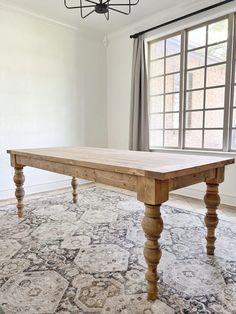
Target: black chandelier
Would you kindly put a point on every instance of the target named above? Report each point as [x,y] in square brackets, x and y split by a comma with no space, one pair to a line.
[101,7]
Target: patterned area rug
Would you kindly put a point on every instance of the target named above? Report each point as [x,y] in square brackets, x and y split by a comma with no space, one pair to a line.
[87,258]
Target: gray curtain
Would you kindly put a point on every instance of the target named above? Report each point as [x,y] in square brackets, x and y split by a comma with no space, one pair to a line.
[139,122]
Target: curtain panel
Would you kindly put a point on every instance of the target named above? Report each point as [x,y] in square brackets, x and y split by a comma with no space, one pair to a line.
[139,116]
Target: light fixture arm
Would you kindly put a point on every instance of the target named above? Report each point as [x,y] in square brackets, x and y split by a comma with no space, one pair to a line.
[101,7]
[78,6]
[124,4]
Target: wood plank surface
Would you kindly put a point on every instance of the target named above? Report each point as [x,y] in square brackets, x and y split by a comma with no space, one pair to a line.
[151,174]
[149,164]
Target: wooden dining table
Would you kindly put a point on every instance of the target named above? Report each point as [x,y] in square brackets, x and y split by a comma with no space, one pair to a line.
[152,175]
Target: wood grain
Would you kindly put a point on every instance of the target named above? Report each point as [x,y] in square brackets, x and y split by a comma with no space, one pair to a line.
[19,180]
[151,175]
[74,185]
[119,180]
[212,201]
[153,227]
[155,165]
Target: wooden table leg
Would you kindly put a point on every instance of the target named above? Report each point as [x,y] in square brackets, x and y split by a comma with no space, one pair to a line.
[152,226]
[212,201]
[19,180]
[152,193]
[74,185]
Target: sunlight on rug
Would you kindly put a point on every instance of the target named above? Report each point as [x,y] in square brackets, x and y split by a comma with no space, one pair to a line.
[88,258]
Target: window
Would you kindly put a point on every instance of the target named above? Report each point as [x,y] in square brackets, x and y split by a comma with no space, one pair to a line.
[233,110]
[192,82]
[165,77]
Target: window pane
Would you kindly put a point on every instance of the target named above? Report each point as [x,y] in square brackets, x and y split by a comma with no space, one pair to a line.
[172,83]
[215,97]
[171,138]
[195,79]
[196,58]
[213,139]
[234,119]
[193,139]
[173,45]
[233,144]
[156,104]
[204,82]
[194,119]
[173,64]
[157,67]
[217,54]
[172,102]
[156,138]
[214,119]
[194,100]
[157,85]
[197,37]
[156,121]
[216,75]
[171,120]
[157,50]
[218,31]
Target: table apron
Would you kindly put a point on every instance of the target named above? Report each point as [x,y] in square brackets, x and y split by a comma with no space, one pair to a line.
[184,181]
[115,179]
[120,180]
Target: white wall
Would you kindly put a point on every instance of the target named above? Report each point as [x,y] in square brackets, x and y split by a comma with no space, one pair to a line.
[119,59]
[52,92]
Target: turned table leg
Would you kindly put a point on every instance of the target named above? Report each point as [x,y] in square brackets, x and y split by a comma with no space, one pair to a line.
[74,185]
[19,180]
[152,193]
[152,226]
[212,201]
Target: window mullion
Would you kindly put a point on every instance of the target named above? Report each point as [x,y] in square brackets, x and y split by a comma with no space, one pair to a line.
[204,92]
[183,88]
[228,86]
[164,99]
[232,94]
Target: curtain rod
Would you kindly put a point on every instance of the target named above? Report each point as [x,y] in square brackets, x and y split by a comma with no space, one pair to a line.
[181,18]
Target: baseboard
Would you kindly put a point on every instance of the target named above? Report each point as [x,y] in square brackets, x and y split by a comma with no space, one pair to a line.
[198,194]
[49,186]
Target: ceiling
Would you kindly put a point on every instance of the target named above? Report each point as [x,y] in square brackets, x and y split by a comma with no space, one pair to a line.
[55,9]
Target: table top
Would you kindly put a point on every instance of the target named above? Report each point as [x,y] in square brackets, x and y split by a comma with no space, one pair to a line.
[151,164]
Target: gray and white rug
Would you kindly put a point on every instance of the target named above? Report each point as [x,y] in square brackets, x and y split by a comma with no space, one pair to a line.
[88,258]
